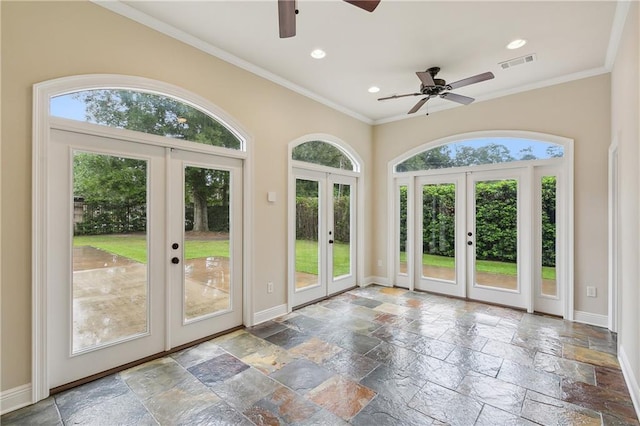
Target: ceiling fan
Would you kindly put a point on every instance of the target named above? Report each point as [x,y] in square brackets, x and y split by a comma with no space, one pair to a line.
[287,12]
[432,87]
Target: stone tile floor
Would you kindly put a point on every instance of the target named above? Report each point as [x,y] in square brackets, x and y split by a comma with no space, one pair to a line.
[371,356]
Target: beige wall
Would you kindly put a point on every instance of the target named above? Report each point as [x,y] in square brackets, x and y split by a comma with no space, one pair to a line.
[578,110]
[42,41]
[625,115]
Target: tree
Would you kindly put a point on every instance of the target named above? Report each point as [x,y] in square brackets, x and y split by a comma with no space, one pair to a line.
[165,116]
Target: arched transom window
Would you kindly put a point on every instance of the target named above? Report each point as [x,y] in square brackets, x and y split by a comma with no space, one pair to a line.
[323,153]
[474,152]
[145,112]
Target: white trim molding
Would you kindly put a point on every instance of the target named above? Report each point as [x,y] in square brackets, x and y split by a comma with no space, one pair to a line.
[383,281]
[269,314]
[13,399]
[632,381]
[591,319]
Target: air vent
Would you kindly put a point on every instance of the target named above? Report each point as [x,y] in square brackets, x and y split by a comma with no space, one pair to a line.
[517,61]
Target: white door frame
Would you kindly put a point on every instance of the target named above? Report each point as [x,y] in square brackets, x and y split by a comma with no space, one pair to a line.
[43,122]
[614,238]
[566,164]
[357,173]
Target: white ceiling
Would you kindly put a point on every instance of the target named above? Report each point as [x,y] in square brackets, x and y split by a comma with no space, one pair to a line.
[571,40]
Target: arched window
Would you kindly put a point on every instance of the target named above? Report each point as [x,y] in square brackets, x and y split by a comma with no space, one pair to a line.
[474,152]
[145,112]
[323,153]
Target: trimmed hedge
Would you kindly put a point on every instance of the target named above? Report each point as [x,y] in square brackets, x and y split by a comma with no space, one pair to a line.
[496,220]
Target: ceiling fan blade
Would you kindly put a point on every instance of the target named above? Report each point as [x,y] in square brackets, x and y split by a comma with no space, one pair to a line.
[471,80]
[457,98]
[287,18]
[368,5]
[426,78]
[399,96]
[418,105]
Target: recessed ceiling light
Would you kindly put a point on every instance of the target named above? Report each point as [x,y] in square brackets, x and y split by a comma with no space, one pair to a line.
[516,44]
[318,54]
[373,89]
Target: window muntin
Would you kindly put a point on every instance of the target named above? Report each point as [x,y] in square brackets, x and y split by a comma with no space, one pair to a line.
[474,152]
[144,112]
[323,153]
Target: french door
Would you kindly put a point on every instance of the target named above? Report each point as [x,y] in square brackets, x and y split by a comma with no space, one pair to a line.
[145,251]
[473,235]
[324,256]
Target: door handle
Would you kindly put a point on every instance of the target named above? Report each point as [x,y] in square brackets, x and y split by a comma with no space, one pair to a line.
[330,241]
[175,260]
[469,243]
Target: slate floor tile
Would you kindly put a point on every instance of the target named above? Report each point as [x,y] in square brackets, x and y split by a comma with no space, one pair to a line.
[590,356]
[219,414]
[266,329]
[315,350]
[351,364]
[44,412]
[245,389]
[394,384]
[382,411]
[197,354]
[446,405]
[569,369]
[436,371]
[242,344]
[288,338]
[392,355]
[341,396]
[282,405]
[474,360]
[92,393]
[301,375]
[491,416]
[513,353]
[494,392]
[602,399]
[218,369]
[530,378]
[551,411]
[269,359]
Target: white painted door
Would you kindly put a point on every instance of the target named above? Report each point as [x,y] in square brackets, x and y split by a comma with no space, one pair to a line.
[473,236]
[116,210]
[499,244]
[205,267]
[324,256]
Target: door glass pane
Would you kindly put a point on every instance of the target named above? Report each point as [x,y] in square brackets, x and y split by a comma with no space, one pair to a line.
[307,216]
[110,288]
[496,228]
[549,193]
[207,258]
[341,229]
[403,230]
[438,231]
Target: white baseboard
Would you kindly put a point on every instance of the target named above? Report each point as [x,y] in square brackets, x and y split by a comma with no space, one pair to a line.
[12,399]
[376,280]
[591,319]
[632,381]
[269,314]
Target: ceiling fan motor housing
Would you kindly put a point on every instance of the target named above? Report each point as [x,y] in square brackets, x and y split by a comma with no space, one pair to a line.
[440,86]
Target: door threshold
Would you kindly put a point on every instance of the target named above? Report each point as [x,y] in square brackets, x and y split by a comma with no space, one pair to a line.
[320,299]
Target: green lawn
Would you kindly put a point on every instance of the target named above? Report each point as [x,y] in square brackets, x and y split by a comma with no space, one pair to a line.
[135,246]
[491,266]
[307,257]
